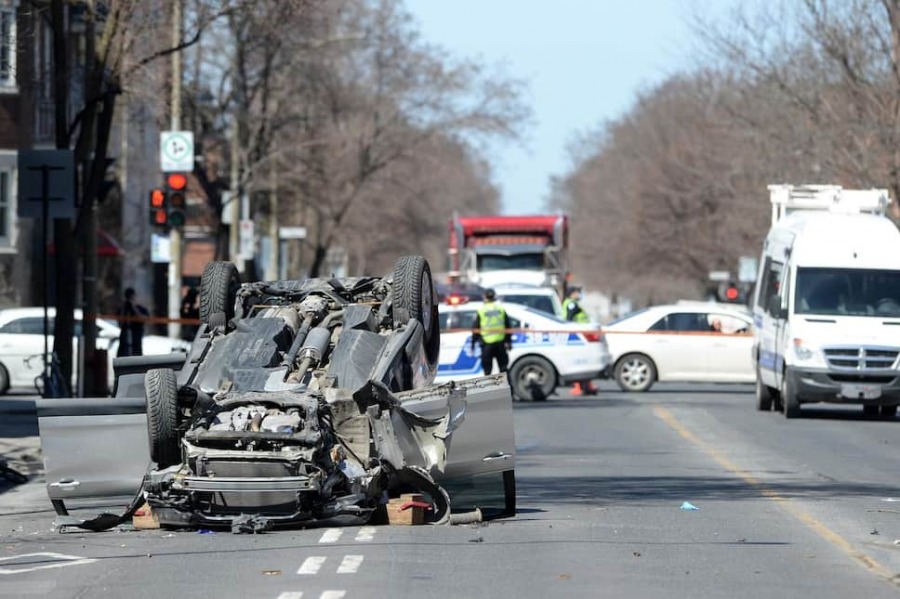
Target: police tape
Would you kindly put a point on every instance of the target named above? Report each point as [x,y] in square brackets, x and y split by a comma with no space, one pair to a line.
[147,319]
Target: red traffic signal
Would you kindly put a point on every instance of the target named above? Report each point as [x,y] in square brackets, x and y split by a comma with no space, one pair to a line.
[732,294]
[177,186]
[158,208]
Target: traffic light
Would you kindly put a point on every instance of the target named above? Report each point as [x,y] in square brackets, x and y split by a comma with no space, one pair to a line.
[158,208]
[177,192]
[729,292]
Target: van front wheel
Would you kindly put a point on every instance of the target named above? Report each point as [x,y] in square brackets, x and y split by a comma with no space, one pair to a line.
[789,398]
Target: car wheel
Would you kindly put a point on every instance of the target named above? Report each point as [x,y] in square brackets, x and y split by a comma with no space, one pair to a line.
[870,411]
[509,492]
[4,380]
[635,372]
[764,399]
[218,289]
[161,392]
[789,398]
[533,377]
[889,411]
[413,297]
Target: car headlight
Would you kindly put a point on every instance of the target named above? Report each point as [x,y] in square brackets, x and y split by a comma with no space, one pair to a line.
[804,352]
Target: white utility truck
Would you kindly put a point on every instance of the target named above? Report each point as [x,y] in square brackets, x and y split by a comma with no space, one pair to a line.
[826,306]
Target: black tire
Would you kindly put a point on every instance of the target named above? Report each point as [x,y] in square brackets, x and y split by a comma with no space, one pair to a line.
[635,372]
[509,492]
[764,399]
[4,380]
[870,411]
[532,377]
[888,411]
[413,297]
[218,289]
[789,398]
[161,392]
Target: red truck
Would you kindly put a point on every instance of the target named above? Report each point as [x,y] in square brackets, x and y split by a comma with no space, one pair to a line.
[499,250]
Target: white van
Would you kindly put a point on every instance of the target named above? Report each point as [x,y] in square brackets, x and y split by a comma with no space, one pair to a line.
[826,306]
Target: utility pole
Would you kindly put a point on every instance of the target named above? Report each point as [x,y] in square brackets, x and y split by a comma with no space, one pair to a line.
[272,271]
[175,241]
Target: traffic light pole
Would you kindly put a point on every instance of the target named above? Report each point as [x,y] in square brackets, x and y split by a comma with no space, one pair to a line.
[175,240]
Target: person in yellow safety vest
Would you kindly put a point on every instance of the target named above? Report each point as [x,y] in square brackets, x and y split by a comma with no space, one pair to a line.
[575,313]
[491,331]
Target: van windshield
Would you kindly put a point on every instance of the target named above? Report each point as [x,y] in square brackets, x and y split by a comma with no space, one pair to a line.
[851,292]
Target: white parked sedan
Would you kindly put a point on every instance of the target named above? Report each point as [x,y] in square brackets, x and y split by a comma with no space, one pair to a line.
[22,336]
[547,351]
[684,342]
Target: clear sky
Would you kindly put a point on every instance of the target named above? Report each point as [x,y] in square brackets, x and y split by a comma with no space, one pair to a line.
[584,61]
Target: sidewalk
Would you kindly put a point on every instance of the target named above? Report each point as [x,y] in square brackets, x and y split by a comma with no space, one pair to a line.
[20,446]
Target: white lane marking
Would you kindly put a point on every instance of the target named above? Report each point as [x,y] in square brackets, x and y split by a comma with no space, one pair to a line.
[350,564]
[332,535]
[332,594]
[291,595]
[311,565]
[62,561]
[365,534]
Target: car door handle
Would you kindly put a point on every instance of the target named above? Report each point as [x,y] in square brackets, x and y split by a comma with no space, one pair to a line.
[66,483]
[497,455]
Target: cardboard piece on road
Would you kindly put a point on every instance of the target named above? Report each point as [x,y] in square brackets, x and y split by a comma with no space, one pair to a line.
[407,510]
[144,518]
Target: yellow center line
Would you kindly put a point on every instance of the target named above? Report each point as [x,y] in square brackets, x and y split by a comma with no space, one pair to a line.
[790,506]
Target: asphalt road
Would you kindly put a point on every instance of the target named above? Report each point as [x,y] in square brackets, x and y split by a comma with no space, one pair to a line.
[799,508]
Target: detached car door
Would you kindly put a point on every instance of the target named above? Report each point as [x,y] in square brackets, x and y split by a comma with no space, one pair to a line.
[93,447]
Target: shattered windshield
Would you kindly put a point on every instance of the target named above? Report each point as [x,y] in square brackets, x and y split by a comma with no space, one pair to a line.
[851,292]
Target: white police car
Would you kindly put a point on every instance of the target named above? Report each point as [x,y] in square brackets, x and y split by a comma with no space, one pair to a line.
[547,351]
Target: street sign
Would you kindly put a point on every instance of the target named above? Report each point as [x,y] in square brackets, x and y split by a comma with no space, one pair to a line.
[747,267]
[159,248]
[176,151]
[246,245]
[46,174]
[292,232]
[719,275]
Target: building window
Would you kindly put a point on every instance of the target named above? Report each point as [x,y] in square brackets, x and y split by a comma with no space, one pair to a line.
[5,207]
[7,46]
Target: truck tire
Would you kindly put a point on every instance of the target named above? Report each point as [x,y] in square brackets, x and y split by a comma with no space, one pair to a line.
[789,398]
[764,399]
[412,297]
[218,289]
[161,392]
[635,372]
[532,377]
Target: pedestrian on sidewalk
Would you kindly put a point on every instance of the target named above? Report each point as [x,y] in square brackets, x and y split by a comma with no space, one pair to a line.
[131,338]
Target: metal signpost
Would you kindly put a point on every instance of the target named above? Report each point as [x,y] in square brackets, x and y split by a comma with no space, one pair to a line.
[46,190]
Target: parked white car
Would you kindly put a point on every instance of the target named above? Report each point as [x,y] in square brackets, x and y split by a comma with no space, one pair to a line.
[681,343]
[547,351]
[22,336]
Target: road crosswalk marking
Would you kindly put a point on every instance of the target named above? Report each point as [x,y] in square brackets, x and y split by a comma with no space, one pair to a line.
[350,564]
[365,534]
[311,565]
[332,535]
[332,594]
[291,595]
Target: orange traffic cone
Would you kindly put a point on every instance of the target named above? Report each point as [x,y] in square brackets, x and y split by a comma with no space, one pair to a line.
[577,389]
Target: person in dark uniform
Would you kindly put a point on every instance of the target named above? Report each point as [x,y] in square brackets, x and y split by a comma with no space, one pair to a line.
[491,331]
[131,339]
[575,313]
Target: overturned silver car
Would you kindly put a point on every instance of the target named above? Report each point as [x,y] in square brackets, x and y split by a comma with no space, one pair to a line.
[300,401]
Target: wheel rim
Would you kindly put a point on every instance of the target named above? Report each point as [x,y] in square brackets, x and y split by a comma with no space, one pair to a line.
[635,373]
[533,375]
